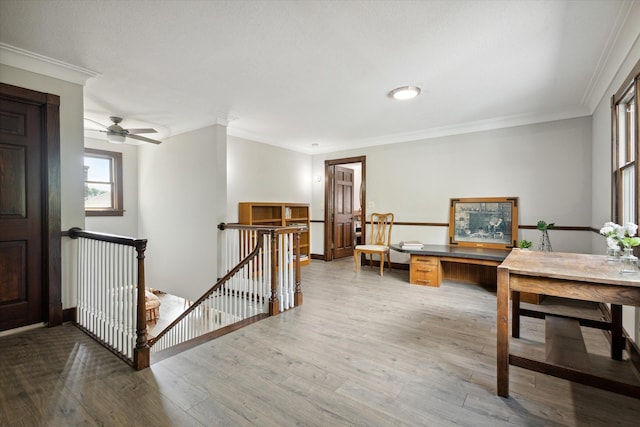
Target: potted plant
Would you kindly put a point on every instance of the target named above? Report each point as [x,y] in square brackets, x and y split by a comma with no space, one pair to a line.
[624,238]
[524,244]
[545,243]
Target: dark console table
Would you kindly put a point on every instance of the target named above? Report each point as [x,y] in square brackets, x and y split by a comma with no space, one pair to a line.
[429,264]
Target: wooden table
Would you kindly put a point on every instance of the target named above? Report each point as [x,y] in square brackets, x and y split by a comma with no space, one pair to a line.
[577,276]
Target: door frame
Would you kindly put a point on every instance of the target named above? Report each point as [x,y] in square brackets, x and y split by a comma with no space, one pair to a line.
[329,190]
[51,199]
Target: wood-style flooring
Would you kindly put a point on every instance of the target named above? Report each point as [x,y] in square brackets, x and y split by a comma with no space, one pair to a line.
[171,306]
[362,350]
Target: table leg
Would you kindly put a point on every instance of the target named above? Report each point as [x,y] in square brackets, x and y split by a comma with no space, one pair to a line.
[503,333]
[617,338]
[356,258]
[515,314]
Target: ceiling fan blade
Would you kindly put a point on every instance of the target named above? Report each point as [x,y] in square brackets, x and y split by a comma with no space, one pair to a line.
[97,123]
[136,131]
[96,130]
[142,138]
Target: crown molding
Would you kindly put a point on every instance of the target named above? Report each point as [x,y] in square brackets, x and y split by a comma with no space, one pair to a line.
[472,127]
[621,40]
[496,123]
[36,63]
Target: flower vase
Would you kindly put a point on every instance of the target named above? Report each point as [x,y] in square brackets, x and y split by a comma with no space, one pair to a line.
[545,243]
[628,262]
[613,254]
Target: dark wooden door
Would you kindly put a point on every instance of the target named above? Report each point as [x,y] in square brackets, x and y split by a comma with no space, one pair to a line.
[22,291]
[343,228]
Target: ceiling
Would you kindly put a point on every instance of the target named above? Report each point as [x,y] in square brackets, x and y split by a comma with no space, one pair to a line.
[313,76]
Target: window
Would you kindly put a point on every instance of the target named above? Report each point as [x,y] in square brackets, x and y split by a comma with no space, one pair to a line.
[625,151]
[102,183]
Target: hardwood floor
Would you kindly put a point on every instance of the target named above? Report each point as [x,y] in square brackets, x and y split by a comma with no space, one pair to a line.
[171,307]
[361,350]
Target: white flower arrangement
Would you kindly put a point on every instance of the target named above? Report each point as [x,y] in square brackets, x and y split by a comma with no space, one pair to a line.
[620,236]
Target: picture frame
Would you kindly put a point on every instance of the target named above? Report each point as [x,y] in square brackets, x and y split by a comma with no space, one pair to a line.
[487,222]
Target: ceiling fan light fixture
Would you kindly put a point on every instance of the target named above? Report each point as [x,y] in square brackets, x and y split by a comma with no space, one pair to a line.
[116,134]
[405,92]
[115,138]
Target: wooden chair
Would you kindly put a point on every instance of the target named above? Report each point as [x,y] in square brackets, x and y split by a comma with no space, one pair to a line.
[152,307]
[379,240]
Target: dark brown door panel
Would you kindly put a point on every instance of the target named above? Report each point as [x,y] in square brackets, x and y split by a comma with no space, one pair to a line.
[22,169]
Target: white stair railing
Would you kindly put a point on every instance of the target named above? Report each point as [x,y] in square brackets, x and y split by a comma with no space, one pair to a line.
[111,289]
[261,279]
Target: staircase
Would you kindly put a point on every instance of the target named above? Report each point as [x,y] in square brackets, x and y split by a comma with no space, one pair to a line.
[261,279]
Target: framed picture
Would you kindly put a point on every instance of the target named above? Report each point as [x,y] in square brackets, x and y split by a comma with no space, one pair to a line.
[490,222]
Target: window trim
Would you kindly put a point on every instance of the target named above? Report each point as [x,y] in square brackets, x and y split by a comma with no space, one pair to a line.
[631,83]
[116,161]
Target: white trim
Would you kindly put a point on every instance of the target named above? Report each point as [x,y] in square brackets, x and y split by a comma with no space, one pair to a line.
[36,63]
[443,131]
[614,53]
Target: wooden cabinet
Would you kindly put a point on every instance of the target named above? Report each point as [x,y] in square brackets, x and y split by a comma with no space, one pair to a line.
[279,215]
[425,270]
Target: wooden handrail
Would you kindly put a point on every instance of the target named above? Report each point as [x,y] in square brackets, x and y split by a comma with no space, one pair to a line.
[219,283]
[277,229]
[76,232]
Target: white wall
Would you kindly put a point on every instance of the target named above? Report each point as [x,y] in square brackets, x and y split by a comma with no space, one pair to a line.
[127,224]
[71,149]
[601,177]
[179,205]
[546,165]
[263,173]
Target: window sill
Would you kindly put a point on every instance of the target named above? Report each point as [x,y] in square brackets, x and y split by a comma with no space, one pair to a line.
[111,212]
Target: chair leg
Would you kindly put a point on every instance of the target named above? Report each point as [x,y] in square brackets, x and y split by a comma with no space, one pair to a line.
[356,258]
[382,264]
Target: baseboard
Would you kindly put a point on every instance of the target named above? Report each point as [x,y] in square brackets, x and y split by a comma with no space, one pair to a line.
[376,263]
[172,351]
[69,314]
[400,266]
[7,332]
[396,265]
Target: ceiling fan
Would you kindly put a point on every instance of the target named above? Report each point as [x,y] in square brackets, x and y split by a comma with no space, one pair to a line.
[117,134]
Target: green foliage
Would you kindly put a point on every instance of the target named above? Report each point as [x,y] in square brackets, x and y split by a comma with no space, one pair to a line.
[543,226]
[91,191]
[524,244]
[630,242]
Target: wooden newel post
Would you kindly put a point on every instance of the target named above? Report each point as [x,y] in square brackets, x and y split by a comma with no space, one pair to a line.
[141,354]
[297,295]
[274,302]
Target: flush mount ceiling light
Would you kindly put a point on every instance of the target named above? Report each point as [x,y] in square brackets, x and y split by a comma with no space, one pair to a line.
[405,92]
[115,138]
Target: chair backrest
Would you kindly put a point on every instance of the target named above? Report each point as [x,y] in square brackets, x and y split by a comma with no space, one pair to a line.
[381,224]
